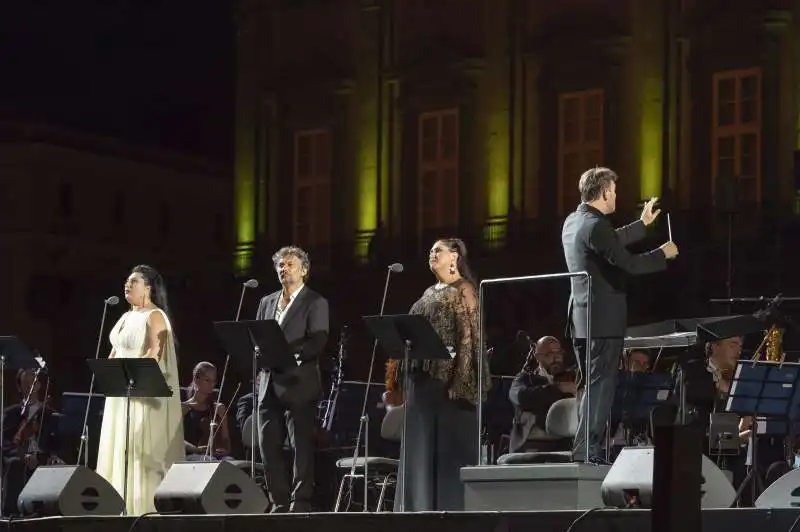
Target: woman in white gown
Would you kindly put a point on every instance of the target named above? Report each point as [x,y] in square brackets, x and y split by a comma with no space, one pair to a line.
[156,425]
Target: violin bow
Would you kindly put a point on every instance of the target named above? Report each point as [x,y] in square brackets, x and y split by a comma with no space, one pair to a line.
[210,452]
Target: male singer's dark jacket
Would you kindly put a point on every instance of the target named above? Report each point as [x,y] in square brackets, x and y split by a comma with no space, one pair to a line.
[591,244]
[48,443]
[305,327]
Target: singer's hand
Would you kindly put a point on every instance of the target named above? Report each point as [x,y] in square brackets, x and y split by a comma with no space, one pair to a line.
[648,214]
[670,250]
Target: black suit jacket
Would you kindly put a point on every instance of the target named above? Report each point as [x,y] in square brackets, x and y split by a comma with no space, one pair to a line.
[305,326]
[591,244]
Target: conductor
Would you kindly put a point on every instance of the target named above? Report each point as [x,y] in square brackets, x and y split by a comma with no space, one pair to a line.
[591,244]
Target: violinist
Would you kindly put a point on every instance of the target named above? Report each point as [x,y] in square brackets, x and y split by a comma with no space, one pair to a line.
[542,381]
[198,410]
[29,437]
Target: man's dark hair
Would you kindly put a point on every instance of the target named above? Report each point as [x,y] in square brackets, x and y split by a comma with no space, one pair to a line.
[594,181]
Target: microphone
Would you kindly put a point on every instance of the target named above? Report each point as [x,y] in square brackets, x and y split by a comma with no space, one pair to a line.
[109,301]
[364,420]
[250,283]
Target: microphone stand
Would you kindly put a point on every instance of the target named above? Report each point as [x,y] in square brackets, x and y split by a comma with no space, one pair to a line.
[363,424]
[85,428]
[212,432]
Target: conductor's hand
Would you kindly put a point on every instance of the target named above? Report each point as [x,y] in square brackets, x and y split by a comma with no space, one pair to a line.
[648,214]
[670,250]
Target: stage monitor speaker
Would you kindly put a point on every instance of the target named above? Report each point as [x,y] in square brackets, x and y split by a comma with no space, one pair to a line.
[209,488]
[68,491]
[783,493]
[632,473]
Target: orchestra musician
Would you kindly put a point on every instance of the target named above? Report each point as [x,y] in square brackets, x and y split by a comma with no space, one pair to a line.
[542,381]
[592,245]
[287,400]
[442,437]
[155,436]
[29,437]
[198,410]
[723,357]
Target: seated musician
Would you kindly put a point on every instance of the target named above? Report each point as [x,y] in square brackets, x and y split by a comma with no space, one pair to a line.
[29,438]
[198,410]
[542,381]
[244,409]
[723,358]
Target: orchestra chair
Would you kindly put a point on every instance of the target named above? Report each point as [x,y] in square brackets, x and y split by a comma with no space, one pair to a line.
[561,423]
[381,471]
[247,431]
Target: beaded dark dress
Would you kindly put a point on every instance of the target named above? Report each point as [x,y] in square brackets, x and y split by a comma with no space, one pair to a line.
[442,427]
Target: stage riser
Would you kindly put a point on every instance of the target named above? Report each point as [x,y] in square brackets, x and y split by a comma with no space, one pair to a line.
[620,520]
[534,487]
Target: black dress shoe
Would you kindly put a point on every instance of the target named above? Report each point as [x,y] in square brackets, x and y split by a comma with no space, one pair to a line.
[300,507]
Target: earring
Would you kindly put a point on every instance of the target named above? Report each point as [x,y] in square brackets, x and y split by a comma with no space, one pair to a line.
[452,268]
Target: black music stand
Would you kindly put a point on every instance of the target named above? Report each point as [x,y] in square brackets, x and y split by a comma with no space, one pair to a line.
[129,378]
[259,344]
[638,394]
[761,388]
[13,355]
[407,337]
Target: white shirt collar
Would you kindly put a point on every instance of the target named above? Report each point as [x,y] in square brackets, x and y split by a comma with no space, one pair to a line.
[293,295]
[544,373]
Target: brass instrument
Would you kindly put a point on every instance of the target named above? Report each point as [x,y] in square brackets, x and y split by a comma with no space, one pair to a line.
[773,347]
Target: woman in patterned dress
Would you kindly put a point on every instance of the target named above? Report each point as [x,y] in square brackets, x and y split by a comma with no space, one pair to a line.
[443,394]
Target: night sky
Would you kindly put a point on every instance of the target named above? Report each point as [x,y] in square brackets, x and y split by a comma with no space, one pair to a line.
[155,73]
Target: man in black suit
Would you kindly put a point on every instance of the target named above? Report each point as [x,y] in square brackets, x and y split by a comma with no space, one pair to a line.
[591,244]
[287,399]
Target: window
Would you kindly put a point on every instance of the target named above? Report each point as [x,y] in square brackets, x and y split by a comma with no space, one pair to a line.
[580,142]
[736,132]
[312,188]
[438,198]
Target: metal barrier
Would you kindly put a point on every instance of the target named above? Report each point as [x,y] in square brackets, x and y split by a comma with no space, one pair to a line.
[481,353]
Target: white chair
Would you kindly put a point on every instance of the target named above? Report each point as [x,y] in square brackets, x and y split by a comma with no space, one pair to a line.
[381,472]
[561,422]
[244,465]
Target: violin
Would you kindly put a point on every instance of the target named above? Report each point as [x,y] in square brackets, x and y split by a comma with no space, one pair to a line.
[30,425]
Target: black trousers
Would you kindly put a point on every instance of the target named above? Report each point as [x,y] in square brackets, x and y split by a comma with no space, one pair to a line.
[276,419]
[442,438]
[602,384]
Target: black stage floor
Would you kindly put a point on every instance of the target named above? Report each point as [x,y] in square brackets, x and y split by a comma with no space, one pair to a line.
[601,520]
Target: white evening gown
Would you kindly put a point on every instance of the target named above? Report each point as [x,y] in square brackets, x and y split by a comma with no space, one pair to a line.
[156,425]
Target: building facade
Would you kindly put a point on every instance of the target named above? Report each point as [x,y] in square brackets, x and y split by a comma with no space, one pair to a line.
[425,115]
[421,118]
[78,211]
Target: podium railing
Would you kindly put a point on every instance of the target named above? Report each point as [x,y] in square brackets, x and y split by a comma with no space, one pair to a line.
[481,335]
